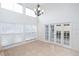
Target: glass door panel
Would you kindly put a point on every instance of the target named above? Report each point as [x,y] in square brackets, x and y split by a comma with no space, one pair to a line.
[51,32]
[46,32]
[58,36]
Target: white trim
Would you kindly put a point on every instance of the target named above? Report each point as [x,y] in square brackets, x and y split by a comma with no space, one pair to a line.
[19,43]
[60,45]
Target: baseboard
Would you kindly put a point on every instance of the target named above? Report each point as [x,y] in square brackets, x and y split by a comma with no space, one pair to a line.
[29,41]
[17,44]
[70,48]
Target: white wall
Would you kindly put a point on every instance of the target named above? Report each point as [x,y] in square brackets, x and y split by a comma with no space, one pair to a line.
[60,13]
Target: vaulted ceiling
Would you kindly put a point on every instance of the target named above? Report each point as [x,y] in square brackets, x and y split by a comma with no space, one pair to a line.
[48,6]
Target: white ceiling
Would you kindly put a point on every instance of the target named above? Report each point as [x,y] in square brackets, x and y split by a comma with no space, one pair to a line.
[45,5]
[48,6]
[32,5]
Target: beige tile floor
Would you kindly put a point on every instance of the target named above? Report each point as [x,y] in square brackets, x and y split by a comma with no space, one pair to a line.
[39,48]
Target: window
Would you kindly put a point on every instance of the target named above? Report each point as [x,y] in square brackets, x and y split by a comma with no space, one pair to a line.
[58,25]
[10,28]
[12,6]
[13,33]
[16,28]
[18,8]
[66,24]
[30,12]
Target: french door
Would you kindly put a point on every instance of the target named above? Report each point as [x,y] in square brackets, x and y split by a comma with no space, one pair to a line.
[58,33]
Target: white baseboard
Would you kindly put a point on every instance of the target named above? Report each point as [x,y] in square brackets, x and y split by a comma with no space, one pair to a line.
[19,43]
[60,45]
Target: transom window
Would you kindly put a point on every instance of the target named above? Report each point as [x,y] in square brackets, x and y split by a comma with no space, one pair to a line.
[15,7]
